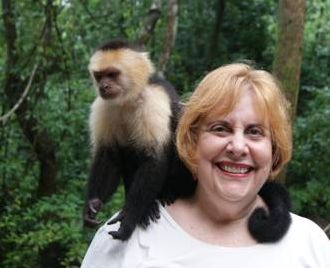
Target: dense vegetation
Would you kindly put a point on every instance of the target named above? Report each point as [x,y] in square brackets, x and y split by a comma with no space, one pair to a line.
[39,227]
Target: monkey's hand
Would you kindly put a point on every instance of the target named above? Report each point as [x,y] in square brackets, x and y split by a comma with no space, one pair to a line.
[126,227]
[92,207]
[118,218]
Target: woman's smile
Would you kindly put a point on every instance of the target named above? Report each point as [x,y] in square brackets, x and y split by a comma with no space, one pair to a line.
[234,169]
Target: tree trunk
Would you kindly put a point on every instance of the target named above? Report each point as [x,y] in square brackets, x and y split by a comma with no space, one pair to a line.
[288,55]
[171,29]
[213,45]
[30,125]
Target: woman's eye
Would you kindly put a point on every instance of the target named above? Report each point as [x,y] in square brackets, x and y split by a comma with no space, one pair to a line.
[256,132]
[219,129]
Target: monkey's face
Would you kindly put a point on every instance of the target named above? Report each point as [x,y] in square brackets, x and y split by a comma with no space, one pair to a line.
[120,75]
[108,82]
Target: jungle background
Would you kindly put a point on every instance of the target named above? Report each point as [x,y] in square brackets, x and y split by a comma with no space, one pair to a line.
[45,95]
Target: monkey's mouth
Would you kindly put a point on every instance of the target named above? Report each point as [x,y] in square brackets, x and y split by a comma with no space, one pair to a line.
[108,93]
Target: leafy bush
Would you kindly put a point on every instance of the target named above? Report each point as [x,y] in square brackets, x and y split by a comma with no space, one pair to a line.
[308,173]
[50,222]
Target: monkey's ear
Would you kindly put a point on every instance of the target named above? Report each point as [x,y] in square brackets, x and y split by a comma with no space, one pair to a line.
[147,65]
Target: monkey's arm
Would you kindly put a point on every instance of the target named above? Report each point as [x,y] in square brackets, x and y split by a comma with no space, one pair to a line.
[103,181]
[141,205]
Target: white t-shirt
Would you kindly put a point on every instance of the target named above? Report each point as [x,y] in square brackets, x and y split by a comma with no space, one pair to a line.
[166,244]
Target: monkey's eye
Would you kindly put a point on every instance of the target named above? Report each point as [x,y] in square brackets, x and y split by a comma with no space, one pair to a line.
[97,76]
[113,74]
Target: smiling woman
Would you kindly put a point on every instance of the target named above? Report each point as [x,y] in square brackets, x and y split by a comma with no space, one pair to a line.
[234,136]
[233,139]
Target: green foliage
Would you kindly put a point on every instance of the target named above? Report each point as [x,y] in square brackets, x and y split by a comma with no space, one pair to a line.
[309,170]
[308,173]
[316,60]
[51,220]
[248,20]
[312,199]
[61,95]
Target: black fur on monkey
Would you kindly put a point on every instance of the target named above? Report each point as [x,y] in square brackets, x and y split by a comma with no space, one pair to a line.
[132,124]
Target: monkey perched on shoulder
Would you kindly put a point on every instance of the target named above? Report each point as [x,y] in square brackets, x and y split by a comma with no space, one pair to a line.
[132,124]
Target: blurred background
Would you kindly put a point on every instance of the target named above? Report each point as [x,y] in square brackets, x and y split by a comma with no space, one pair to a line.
[45,95]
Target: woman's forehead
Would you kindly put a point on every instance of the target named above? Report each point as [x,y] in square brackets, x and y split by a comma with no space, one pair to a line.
[223,111]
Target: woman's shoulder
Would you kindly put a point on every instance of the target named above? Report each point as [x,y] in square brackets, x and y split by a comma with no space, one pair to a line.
[304,228]
[104,249]
[307,238]
[305,224]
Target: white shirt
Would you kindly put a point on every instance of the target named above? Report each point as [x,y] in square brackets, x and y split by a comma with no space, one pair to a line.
[166,244]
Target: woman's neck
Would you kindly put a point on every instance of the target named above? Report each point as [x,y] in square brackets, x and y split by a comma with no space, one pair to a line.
[218,223]
[223,211]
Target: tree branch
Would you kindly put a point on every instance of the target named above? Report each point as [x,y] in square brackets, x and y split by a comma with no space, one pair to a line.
[150,23]
[5,117]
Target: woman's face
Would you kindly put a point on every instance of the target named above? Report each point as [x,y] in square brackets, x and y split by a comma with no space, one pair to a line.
[234,153]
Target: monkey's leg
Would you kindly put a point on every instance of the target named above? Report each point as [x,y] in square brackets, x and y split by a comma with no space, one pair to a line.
[141,205]
[103,181]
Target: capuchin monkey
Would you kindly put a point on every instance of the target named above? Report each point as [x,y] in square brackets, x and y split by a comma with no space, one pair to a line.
[132,124]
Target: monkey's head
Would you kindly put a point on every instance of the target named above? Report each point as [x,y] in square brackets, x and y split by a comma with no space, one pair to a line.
[119,71]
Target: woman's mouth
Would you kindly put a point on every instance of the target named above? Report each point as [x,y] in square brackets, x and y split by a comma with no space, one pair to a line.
[234,168]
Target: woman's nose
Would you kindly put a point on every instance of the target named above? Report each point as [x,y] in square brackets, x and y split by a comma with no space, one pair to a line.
[237,145]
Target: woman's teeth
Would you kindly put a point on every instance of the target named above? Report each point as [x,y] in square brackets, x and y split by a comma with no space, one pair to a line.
[236,170]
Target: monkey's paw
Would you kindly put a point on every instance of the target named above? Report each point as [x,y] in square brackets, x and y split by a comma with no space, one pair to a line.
[92,207]
[118,218]
[125,230]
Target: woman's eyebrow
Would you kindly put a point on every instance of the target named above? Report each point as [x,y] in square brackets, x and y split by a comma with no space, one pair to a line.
[221,121]
[256,125]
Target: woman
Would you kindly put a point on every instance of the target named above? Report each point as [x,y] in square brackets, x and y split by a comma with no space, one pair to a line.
[234,136]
